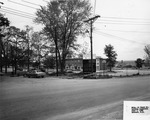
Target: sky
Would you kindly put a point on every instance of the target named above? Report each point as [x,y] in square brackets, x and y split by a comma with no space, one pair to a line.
[125,24]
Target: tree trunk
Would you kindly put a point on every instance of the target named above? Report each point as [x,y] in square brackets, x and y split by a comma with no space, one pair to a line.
[1,67]
[6,65]
[62,60]
[62,63]
[110,69]
[15,65]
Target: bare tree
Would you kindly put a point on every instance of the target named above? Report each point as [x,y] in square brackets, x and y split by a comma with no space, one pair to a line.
[3,23]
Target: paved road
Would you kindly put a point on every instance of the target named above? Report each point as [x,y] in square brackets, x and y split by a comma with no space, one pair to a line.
[51,98]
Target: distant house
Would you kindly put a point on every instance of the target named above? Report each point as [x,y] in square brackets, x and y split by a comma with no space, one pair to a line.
[126,64]
[100,64]
[85,64]
[74,64]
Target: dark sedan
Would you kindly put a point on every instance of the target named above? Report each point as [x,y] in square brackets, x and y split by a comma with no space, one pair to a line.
[36,73]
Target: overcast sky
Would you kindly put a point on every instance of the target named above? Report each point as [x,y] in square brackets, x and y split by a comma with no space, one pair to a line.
[125,24]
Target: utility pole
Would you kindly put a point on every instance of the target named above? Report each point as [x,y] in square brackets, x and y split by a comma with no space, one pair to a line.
[92,20]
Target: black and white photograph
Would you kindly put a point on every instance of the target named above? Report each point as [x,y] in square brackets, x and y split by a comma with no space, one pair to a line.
[74,59]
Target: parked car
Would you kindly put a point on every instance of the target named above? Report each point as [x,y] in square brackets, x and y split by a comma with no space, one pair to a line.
[1,74]
[36,73]
[69,71]
[21,72]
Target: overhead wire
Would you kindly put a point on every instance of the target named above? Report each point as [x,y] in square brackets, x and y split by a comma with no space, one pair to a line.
[22,4]
[31,3]
[123,30]
[117,37]
[121,23]
[123,18]
[17,14]
[15,10]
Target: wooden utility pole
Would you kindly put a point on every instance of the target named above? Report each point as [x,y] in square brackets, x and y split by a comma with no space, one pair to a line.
[91,20]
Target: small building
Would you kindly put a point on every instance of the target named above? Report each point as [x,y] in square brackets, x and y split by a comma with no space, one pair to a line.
[87,65]
[74,64]
[126,64]
[100,64]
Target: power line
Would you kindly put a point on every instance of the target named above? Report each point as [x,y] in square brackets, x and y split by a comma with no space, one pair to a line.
[22,4]
[117,37]
[123,23]
[123,30]
[13,13]
[122,18]
[31,3]
[17,13]
[103,20]
[11,9]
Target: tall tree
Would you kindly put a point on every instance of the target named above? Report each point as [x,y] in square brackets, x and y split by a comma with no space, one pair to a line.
[139,62]
[49,62]
[147,57]
[16,39]
[4,22]
[84,50]
[111,56]
[63,22]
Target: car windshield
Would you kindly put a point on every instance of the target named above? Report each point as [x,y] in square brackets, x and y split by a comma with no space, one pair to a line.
[37,71]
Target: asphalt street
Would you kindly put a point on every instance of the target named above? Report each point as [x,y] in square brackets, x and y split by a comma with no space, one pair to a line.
[65,99]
